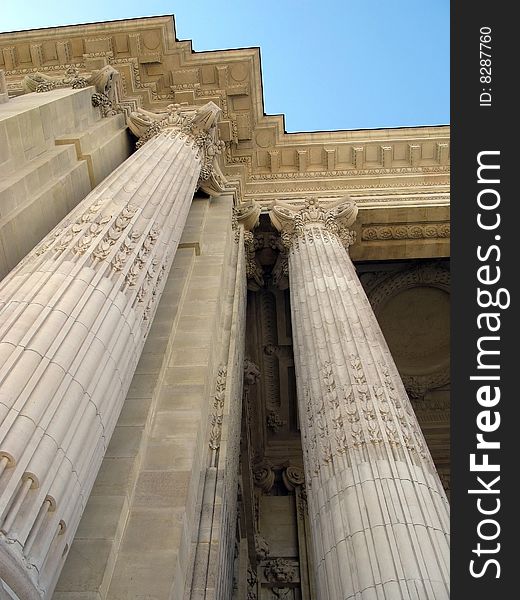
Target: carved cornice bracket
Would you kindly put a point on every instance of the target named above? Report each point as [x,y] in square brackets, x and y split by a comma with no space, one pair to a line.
[292,477]
[294,221]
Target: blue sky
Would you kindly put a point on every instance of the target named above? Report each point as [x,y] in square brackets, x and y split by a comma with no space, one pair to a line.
[331,64]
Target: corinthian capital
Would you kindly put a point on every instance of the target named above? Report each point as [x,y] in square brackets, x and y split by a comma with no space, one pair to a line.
[198,123]
[247,214]
[295,221]
[105,80]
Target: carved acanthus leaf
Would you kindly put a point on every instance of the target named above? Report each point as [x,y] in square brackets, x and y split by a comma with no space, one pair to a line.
[198,124]
[296,221]
[254,271]
[247,214]
[105,80]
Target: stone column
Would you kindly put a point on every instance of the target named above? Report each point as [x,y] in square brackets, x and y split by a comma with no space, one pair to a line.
[4,97]
[74,315]
[378,513]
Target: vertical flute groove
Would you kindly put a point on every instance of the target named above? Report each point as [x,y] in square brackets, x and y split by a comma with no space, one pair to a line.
[74,315]
[378,513]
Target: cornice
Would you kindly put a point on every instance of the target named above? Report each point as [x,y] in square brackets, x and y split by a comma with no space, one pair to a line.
[157,70]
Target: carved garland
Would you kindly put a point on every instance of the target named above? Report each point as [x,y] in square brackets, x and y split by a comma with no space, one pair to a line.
[347,419]
[217,414]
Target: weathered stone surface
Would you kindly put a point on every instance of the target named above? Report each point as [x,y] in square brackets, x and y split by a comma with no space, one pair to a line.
[363,449]
[54,148]
[176,439]
[397,176]
[93,285]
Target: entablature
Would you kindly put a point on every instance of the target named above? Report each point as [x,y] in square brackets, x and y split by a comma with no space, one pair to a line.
[391,169]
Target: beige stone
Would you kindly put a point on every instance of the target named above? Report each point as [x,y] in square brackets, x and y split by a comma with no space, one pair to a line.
[200,491]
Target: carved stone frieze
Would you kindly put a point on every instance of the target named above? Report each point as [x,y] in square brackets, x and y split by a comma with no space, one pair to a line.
[413,231]
[325,174]
[40,82]
[258,151]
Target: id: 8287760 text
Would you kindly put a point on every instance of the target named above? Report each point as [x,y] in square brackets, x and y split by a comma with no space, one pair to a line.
[485,66]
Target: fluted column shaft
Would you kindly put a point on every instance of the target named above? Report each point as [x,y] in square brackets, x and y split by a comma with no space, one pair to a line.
[379,516]
[74,316]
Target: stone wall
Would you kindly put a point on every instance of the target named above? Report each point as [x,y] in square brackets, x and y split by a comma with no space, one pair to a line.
[54,148]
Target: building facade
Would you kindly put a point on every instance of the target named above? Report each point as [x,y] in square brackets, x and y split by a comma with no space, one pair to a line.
[224,348]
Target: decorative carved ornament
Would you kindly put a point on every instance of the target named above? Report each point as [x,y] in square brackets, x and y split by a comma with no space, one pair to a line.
[263,475]
[198,124]
[105,80]
[274,422]
[282,593]
[254,271]
[293,477]
[415,231]
[252,583]
[248,215]
[261,547]
[251,372]
[299,223]
[350,418]
[280,570]
[258,151]
[217,414]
